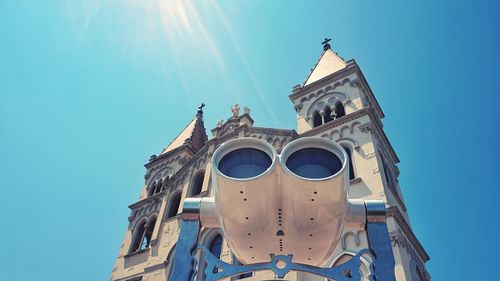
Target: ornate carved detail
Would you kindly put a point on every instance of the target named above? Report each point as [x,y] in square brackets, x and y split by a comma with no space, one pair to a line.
[399,239]
[346,235]
[145,207]
[366,128]
[370,155]
[246,110]
[354,83]
[298,107]
[408,233]
[324,90]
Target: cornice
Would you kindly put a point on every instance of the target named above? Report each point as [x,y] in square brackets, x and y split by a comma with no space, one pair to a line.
[366,111]
[281,132]
[183,148]
[396,214]
[150,199]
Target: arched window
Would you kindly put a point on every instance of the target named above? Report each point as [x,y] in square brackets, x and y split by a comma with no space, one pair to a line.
[339,109]
[197,184]
[351,166]
[142,235]
[152,189]
[173,205]
[159,184]
[137,237]
[215,248]
[317,120]
[388,176]
[150,226]
[328,114]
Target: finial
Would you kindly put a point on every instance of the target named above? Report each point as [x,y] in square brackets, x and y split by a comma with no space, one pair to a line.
[200,108]
[326,46]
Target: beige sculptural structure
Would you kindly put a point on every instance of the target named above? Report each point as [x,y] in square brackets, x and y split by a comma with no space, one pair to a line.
[334,102]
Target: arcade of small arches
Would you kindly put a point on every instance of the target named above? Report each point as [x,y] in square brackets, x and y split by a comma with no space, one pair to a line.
[328,114]
[159,181]
[142,232]
[327,109]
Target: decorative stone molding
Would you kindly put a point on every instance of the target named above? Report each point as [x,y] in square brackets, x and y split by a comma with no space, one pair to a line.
[393,212]
[145,208]
[336,123]
[343,240]
[354,143]
[330,88]
[398,239]
[328,99]
[354,83]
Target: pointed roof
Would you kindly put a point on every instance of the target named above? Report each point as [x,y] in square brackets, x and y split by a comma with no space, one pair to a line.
[194,133]
[328,63]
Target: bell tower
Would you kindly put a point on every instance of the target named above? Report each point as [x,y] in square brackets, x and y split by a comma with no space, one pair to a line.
[336,102]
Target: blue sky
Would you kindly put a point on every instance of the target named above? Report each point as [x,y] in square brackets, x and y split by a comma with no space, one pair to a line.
[89,89]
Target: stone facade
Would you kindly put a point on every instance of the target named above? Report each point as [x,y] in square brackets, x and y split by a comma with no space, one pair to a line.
[334,102]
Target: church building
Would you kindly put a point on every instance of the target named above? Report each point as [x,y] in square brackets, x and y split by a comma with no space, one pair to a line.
[334,102]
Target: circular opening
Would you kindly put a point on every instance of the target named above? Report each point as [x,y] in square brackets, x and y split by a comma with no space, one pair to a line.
[244,163]
[314,163]
[280,264]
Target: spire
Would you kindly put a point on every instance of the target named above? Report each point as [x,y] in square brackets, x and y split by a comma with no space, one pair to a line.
[328,63]
[194,134]
[199,135]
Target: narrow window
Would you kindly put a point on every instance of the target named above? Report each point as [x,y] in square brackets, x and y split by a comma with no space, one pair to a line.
[351,167]
[152,189]
[159,184]
[216,248]
[197,184]
[138,236]
[146,241]
[317,121]
[388,177]
[339,109]
[174,205]
[328,114]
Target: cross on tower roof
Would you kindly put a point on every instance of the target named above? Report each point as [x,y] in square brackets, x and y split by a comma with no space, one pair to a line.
[325,43]
[200,108]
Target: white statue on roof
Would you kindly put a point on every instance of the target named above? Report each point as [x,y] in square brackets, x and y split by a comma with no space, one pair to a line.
[236,110]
